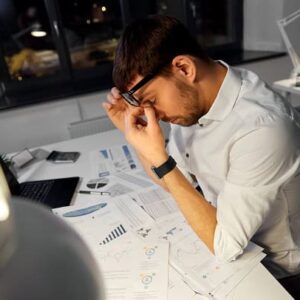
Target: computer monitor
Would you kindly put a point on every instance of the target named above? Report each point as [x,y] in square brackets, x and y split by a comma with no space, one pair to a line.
[289,28]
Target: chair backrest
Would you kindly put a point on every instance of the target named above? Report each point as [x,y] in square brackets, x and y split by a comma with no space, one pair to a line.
[90,126]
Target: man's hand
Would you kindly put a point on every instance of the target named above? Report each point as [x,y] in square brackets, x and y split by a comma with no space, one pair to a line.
[147,138]
[116,108]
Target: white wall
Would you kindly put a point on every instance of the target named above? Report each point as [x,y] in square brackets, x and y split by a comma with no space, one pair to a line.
[271,70]
[41,124]
[260,28]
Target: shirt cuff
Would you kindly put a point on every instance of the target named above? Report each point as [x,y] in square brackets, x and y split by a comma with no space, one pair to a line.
[225,247]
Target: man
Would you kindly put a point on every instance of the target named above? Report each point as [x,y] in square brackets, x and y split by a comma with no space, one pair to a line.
[235,136]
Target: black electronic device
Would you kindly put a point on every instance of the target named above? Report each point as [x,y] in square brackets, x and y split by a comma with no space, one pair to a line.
[63,157]
[54,193]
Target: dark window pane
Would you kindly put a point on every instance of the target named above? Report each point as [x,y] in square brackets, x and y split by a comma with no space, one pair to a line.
[212,21]
[27,41]
[91,30]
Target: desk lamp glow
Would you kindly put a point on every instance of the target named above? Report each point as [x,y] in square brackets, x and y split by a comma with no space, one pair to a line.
[41,257]
[289,28]
[35,30]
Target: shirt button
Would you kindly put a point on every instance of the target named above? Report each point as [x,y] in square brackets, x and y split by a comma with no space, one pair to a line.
[201,125]
[187,155]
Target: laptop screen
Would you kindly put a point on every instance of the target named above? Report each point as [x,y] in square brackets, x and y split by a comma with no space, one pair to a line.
[12,181]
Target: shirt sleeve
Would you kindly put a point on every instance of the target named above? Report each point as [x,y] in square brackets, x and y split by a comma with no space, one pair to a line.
[261,162]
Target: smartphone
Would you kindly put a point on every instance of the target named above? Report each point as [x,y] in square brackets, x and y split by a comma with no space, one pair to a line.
[63,157]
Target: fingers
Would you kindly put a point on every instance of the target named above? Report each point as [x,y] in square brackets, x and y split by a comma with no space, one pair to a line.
[114,96]
[115,92]
[106,106]
[151,116]
[130,121]
[113,99]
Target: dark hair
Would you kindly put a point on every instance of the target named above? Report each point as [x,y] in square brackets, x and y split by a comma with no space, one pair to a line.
[149,43]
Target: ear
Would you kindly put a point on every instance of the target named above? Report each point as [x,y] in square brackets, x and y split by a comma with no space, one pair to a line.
[185,66]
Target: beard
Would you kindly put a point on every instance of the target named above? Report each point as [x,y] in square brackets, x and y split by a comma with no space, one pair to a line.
[190,105]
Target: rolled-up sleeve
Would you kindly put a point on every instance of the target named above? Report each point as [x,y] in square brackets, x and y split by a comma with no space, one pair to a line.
[261,162]
[241,211]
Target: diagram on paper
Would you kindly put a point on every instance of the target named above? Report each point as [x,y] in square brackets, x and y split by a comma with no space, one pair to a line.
[113,160]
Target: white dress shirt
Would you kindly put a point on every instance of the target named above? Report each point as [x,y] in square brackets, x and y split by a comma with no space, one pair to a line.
[245,155]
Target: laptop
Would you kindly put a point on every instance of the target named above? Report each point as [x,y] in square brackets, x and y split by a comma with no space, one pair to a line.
[54,193]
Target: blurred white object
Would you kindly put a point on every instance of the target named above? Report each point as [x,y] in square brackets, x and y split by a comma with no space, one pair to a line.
[7,239]
[41,257]
[289,28]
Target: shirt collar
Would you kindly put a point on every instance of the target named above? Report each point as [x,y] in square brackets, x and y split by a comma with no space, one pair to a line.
[226,98]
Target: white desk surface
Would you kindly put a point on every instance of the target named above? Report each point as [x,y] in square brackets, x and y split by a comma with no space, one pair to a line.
[258,285]
[287,85]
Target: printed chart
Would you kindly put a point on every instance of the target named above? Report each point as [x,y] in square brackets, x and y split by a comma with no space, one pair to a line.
[114,234]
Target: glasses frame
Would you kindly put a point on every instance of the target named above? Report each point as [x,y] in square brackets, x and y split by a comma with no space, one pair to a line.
[128,96]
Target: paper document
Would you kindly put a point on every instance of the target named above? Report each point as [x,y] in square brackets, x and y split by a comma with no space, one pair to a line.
[190,257]
[131,268]
[134,215]
[118,189]
[156,202]
[112,160]
[134,180]
[135,271]
[227,286]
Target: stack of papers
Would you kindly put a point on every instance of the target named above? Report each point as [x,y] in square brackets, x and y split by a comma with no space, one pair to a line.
[145,257]
[198,268]
[131,268]
[196,265]
[141,241]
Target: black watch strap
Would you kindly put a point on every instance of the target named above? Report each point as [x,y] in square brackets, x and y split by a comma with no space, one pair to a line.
[165,168]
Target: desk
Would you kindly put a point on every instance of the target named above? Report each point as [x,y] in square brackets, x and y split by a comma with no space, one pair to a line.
[259,283]
[287,86]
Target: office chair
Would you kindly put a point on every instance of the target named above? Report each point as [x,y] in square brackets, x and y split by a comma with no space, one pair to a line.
[41,257]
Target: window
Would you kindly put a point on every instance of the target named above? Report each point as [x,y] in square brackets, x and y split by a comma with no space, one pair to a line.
[51,49]
[27,43]
[92,29]
[216,25]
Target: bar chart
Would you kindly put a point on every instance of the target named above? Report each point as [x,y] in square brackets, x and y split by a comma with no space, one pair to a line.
[114,234]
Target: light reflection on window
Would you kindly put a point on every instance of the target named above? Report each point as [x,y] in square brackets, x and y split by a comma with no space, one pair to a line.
[92,29]
[27,44]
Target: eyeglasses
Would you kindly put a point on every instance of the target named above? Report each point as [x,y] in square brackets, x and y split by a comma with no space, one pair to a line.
[128,96]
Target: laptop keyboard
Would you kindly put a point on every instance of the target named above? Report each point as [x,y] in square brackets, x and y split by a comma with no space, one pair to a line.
[37,190]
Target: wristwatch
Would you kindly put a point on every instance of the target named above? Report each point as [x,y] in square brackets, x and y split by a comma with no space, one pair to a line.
[165,168]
